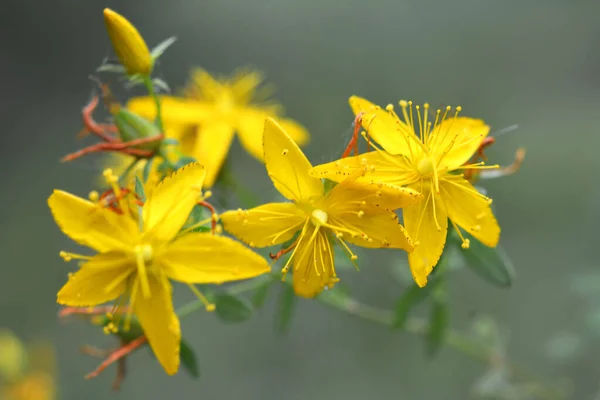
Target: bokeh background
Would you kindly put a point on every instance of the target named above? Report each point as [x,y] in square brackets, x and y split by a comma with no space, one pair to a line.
[535,64]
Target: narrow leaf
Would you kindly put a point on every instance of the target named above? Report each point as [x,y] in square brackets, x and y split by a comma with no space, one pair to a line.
[232,309]
[438,327]
[260,295]
[139,189]
[287,301]
[492,264]
[188,359]
[114,68]
[409,299]
[160,48]
[161,85]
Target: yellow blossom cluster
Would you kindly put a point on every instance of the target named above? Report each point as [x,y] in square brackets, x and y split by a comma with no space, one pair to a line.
[139,230]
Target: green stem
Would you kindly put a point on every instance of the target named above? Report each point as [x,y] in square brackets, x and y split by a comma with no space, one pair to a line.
[150,86]
[413,325]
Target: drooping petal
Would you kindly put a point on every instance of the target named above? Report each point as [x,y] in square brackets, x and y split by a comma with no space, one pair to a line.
[251,124]
[170,203]
[174,110]
[266,225]
[387,130]
[91,225]
[159,322]
[102,279]
[470,210]
[351,195]
[456,140]
[427,226]
[373,229]
[313,264]
[205,258]
[380,167]
[287,165]
[212,144]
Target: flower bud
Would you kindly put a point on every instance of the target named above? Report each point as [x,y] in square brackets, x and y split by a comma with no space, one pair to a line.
[128,44]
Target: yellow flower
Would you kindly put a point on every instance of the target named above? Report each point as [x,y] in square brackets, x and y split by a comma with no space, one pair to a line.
[210,114]
[137,258]
[128,44]
[425,163]
[358,214]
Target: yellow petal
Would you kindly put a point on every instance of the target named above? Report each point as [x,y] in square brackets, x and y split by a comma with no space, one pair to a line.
[99,280]
[313,264]
[287,165]
[91,225]
[213,141]
[205,258]
[427,226]
[381,126]
[174,110]
[459,138]
[373,229]
[128,44]
[251,124]
[266,225]
[171,202]
[381,167]
[351,195]
[159,322]
[470,210]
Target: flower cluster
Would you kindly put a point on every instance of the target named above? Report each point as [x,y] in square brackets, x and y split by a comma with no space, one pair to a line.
[153,225]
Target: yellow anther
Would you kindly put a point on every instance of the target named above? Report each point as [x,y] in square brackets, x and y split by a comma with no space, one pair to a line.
[466,244]
[219,229]
[403,103]
[458,109]
[354,257]
[107,172]
[339,235]
[389,107]
[210,307]
[65,256]
[361,214]
[93,196]
[207,194]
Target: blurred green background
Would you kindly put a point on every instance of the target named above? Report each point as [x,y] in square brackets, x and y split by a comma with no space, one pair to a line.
[535,64]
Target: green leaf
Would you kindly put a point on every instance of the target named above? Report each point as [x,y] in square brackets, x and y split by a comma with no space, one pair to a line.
[188,359]
[162,85]
[147,170]
[139,189]
[287,301]
[109,67]
[409,299]
[438,327]
[232,309]
[160,48]
[260,294]
[328,185]
[492,264]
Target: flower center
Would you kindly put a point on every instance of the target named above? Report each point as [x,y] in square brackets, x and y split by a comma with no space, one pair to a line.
[226,102]
[318,217]
[145,252]
[425,166]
